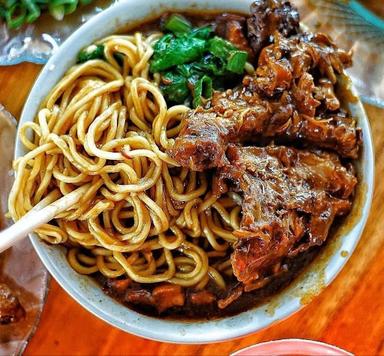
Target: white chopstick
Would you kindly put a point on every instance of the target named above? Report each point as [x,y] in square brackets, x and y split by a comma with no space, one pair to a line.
[39,215]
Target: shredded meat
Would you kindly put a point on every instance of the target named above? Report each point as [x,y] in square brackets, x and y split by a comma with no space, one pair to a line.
[290,199]
[10,308]
[284,62]
[233,294]
[269,16]
[282,101]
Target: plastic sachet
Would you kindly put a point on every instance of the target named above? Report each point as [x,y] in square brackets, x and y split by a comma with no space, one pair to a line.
[37,42]
[20,267]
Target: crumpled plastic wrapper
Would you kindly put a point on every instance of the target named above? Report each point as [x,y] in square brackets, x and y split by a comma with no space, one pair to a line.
[353,26]
[38,41]
[20,268]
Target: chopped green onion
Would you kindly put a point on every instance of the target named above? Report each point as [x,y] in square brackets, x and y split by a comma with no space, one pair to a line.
[57,11]
[91,52]
[33,10]
[16,16]
[9,3]
[220,47]
[2,11]
[18,12]
[85,2]
[61,2]
[236,61]
[60,8]
[177,24]
[202,90]
[71,7]
[203,32]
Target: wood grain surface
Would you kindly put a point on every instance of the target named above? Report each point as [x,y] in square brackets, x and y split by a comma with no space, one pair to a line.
[349,313]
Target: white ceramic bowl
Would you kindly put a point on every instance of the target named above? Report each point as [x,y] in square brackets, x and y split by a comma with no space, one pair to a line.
[89,294]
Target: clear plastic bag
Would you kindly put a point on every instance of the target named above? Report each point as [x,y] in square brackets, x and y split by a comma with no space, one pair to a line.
[20,267]
[37,41]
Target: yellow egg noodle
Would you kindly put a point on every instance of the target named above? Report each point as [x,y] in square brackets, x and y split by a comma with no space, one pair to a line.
[106,125]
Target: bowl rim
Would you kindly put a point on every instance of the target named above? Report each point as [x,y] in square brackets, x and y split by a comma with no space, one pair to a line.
[162,329]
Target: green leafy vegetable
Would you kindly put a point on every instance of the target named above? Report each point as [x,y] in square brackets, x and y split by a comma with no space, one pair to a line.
[236,61]
[202,90]
[91,52]
[175,87]
[202,32]
[193,62]
[211,64]
[177,24]
[220,48]
[173,51]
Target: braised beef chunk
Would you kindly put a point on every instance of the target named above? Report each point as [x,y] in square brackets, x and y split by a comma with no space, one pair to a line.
[233,28]
[117,287]
[242,116]
[284,62]
[202,141]
[290,199]
[167,296]
[291,98]
[10,308]
[269,16]
[139,296]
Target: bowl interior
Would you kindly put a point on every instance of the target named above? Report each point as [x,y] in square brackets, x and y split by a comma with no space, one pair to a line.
[89,294]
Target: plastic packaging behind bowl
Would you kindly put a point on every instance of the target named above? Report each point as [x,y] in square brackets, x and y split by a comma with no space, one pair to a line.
[20,268]
[353,26]
[38,41]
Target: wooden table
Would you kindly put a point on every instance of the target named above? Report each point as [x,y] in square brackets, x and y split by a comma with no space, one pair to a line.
[349,313]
